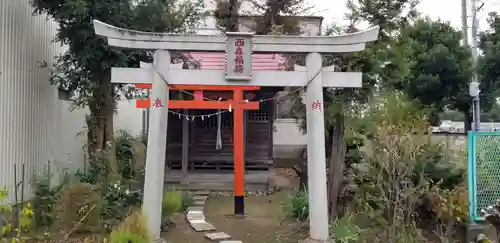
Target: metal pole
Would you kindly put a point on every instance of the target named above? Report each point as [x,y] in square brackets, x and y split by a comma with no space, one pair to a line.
[475,23]
[465,33]
[465,26]
[477,118]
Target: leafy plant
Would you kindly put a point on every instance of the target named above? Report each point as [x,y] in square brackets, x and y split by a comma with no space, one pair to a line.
[80,203]
[481,238]
[134,228]
[449,210]
[492,217]
[124,145]
[187,201]
[452,205]
[432,166]
[172,203]
[345,230]
[6,221]
[386,191]
[45,199]
[117,200]
[97,170]
[296,205]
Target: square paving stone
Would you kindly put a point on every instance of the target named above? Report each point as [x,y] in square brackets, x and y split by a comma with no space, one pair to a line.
[195,216]
[195,209]
[217,236]
[202,193]
[201,225]
[200,198]
[199,203]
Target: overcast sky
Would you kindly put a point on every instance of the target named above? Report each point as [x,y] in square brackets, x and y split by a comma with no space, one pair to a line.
[449,10]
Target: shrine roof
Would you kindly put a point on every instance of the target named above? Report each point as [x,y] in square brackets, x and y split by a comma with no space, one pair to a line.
[260,62]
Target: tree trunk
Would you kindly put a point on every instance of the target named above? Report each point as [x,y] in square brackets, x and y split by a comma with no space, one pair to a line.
[336,166]
[100,126]
[233,16]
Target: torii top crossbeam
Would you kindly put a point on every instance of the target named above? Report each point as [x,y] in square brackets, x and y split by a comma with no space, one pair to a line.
[261,43]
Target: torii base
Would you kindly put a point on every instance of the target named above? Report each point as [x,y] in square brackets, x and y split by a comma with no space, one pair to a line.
[239,205]
[309,240]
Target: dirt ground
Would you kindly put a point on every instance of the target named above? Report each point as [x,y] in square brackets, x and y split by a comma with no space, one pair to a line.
[264,221]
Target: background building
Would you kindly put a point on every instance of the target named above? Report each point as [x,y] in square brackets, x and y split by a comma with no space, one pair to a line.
[35,125]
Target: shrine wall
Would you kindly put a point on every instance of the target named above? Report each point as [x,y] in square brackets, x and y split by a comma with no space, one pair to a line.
[35,125]
[128,117]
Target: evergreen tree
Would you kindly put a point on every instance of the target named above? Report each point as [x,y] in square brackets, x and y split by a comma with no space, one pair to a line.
[440,69]
[489,66]
[85,68]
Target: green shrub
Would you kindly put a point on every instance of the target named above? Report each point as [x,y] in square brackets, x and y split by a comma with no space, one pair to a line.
[345,230]
[436,169]
[124,147]
[45,200]
[7,226]
[118,200]
[172,202]
[481,238]
[187,201]
[296,205]
[79,201]
[134,228]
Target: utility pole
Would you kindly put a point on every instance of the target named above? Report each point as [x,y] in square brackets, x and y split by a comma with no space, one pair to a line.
[474,85]
[474,51]
[465,26]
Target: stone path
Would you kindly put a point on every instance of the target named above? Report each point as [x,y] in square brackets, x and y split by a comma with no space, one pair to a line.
[197,220]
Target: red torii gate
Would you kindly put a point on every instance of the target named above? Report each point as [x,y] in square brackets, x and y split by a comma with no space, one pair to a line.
[237,104]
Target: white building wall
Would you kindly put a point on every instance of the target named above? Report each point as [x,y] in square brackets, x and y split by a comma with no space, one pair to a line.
[128,117]
[35,126]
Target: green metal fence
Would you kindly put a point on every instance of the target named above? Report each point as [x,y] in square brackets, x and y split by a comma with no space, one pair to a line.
[483,171]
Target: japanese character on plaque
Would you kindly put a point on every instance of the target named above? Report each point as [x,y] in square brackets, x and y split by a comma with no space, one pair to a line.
[239,51]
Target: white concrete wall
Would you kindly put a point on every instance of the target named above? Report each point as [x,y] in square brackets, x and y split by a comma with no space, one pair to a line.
[35,126]
[128,117]
[286,132]
[288,140]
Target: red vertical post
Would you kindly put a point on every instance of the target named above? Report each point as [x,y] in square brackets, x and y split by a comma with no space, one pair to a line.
[239,165]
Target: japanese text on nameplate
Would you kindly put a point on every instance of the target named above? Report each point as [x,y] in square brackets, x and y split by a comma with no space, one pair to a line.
[238,60]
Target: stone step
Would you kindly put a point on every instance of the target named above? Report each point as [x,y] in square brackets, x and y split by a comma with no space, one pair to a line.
[198,203]
[217,236]
[199,197]
[201,193]
[201,225]
[196,209]
[195,216]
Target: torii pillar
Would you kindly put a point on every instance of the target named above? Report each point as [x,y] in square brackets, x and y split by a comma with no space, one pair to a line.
[238,48]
